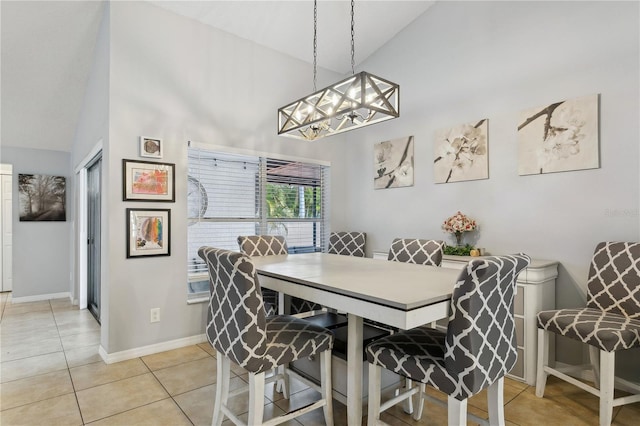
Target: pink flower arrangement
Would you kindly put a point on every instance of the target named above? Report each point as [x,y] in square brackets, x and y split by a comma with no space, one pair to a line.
[459,223]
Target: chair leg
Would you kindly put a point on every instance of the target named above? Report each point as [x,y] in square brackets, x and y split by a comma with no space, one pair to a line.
[326,386]
[594,359]
[223,365]
[408,403]
[495,402]
[375,383]
[607,378]
[457,411]
[256,398]
[282,385]
[419,406]
[543,360]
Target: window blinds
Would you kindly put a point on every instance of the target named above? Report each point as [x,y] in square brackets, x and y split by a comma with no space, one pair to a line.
[233,194]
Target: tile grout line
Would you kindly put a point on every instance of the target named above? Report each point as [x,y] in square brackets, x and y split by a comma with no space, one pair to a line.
[66,360]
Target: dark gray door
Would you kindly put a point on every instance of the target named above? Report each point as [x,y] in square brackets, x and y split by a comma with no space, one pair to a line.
[94,173]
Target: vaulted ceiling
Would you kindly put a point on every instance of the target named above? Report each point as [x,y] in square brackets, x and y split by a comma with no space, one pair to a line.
[47,50]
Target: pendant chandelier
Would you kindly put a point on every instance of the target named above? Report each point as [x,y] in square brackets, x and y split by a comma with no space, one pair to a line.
[356,101]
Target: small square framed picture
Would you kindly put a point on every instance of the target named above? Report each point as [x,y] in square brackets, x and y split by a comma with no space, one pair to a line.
[148,232]
[150,147]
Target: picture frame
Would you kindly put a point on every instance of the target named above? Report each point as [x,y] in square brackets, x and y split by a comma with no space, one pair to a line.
[559,136]
[150,147]
[148,181]
[148,232]
[393,163]
[461,152]
[42,198]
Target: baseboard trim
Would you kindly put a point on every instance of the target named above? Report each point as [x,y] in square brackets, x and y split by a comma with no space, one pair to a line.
[150,349]
[40,297]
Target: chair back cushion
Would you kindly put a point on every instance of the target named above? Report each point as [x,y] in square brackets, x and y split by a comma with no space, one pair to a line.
[262,245]
[421,252]
[236,323]
[347,243]
[614,279]
[481,339]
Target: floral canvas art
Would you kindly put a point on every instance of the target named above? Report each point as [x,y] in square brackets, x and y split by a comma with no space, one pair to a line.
[393,163]
[559,137]
[461,153]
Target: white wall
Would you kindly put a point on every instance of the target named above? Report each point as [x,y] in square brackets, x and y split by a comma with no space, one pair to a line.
[92,133]
[465,61]
[41,256]
[176,79]
[93,121]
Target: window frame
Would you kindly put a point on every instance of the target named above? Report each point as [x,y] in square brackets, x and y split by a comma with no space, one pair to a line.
[262,218]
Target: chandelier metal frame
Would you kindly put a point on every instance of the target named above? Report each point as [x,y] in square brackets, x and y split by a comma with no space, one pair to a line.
[357,101]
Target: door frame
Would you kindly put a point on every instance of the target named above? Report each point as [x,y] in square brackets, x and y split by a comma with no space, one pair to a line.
[83,219]
[6,170]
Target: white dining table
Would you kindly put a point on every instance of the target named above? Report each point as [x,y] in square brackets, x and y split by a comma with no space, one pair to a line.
[399,294]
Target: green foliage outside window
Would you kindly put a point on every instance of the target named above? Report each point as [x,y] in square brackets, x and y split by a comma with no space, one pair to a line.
[283,201]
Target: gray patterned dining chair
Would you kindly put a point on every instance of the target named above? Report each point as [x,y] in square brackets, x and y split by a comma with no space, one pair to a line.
[264,245]
[477,350]
[421,252]
[609,323]
[239,331]
[417,251]
[347,243]
[270,245]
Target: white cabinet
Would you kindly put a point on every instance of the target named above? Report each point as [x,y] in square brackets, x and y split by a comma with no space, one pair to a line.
[536,291]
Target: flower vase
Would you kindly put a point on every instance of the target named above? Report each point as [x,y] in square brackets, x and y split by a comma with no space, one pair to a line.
[458,235]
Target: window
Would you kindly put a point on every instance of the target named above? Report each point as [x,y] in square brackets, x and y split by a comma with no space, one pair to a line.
[233,194]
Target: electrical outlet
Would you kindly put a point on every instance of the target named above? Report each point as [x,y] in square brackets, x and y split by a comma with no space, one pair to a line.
[154,315]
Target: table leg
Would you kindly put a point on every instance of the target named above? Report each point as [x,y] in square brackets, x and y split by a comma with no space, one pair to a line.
[354,371]
[282,385]
[281,304]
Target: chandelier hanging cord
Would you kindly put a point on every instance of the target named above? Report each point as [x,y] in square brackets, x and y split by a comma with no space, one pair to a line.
[353,43]
[315,43]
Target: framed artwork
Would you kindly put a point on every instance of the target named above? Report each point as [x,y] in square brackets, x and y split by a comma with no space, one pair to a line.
[393,163]
[42,198]
[461,153]
[559,137]
[148,181]
[148,232]
[150,147]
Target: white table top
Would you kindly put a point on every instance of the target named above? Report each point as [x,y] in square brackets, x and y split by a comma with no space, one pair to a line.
[393,284]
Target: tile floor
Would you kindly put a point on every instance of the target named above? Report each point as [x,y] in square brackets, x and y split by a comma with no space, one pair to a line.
[51,374]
